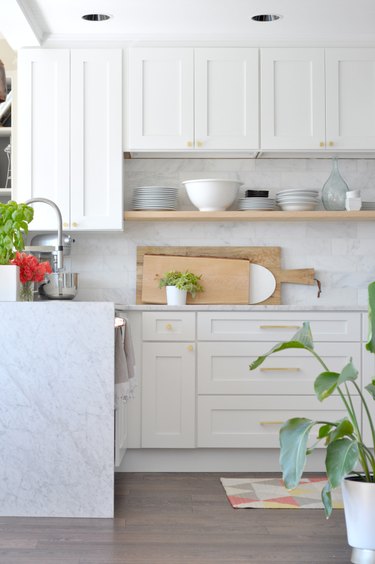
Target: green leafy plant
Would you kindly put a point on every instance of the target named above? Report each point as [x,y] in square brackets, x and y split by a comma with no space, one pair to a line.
[183,281]
[14,220]
[345,449]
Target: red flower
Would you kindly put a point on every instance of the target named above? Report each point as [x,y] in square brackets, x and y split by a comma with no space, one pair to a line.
[31,270]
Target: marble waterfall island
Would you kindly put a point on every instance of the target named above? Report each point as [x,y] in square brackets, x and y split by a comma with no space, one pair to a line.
[56,409]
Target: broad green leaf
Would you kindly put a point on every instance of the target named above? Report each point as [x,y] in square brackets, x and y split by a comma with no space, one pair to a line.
[294,435]
[341,458]
[371,388]
[327,500]
[343,429]
[324,431]
[348,373]
[370,345]
[325,384]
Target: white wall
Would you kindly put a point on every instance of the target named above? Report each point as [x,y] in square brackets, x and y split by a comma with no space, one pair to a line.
[343,253]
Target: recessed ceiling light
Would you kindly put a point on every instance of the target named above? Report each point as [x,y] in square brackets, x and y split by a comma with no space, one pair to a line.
[266,18]
[96,17]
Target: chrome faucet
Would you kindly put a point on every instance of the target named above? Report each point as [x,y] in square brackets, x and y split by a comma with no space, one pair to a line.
[59,247]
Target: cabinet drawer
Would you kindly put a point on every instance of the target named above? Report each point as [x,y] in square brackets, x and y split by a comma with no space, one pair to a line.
[248,421]
[277,326]
[223,368]
[168,326]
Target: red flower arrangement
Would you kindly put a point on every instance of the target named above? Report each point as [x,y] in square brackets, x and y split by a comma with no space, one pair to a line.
[31,270]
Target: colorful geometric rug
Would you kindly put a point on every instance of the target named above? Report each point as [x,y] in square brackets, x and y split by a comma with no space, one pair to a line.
[270,493]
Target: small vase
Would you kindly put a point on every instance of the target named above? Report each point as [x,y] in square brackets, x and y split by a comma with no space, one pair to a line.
[334,190]
[27,292]
[175,296]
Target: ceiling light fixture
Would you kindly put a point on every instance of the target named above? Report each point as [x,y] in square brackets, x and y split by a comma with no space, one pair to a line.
[96,17]
[266,18]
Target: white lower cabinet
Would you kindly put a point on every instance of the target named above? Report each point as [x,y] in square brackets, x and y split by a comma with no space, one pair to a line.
[168,395]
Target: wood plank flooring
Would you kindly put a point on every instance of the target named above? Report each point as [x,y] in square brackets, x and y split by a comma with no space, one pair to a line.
[177,518]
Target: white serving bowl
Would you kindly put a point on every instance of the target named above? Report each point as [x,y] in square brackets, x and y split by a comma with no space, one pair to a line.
[212,194]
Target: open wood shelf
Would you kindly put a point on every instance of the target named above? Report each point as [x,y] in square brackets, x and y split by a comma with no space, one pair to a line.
[249,216]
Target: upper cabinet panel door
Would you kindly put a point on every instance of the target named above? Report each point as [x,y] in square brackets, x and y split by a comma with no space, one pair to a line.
[96,139]
[161,98]
[226,98]
[292,99]
[43,147]
[350,87]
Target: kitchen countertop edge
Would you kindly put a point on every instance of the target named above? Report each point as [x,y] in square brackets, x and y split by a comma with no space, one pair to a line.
[252,308]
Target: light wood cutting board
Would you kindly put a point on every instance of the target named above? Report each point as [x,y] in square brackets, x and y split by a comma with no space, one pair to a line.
[270,257]
[224,280]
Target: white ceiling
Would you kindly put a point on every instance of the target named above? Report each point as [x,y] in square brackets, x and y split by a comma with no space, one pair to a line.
[303,20]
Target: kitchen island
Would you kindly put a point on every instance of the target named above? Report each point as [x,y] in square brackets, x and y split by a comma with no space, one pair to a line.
[56,409]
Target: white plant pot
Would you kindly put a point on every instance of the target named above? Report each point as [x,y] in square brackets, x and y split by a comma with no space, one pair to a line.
[359,506]
[175,296]
[9,283]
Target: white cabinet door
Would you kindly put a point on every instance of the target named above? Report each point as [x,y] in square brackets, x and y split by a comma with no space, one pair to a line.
[292,99]
[350,91]
[70,136]
[161,98]
[226,98]
[43,132]
[168,395]
[96,139]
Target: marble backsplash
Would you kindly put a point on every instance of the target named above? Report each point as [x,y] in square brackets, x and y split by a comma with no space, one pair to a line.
[342,253]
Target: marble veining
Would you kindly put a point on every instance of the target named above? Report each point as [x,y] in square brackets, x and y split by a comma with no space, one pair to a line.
[56,409]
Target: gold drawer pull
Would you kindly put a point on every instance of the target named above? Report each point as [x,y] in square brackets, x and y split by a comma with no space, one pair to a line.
[190,348]
[169,326]
[271,422]
[280,368]
[321,144]
[279,327]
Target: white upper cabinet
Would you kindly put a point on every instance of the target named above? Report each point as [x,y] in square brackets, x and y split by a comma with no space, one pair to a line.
[70,136]
[226,98]
[161,98]
[350,90]
[188,99]
[292,99]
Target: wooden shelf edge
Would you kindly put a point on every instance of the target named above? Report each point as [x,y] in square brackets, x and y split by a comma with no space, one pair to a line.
[249,216]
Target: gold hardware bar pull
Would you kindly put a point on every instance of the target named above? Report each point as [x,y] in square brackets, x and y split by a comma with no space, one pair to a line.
[279,368]
[279,327]
[271,422]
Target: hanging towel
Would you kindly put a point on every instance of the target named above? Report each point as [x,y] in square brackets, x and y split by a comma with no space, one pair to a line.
[124,361]
[3,83]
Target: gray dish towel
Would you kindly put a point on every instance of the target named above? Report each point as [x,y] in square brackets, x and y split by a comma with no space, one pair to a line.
[124,354]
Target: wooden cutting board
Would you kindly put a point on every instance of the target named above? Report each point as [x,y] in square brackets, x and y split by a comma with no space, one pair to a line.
[224,280]
[270,257]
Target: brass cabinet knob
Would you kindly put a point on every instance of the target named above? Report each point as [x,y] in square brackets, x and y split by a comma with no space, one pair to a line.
[168,326]
[74,224]
[65,224]
[199,143]
[331,144]
[190,348]
[321,144]
[189,144]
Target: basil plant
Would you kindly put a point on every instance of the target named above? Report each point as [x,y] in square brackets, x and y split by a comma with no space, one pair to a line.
[345,449]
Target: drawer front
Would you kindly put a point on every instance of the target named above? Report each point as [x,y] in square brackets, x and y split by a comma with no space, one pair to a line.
[168,326]
[248,421]
[277,326]
[223,368]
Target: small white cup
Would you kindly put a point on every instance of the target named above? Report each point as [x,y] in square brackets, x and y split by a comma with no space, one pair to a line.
[353,194]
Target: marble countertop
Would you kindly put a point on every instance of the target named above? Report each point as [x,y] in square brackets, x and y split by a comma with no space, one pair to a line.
[256,308]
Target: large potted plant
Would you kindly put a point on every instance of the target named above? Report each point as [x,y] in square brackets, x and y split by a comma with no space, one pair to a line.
[14,224]
[349,461]
[178,284]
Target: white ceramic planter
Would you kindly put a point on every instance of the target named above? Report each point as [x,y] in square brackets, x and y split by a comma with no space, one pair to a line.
[175,296]
[359,506]
[9,283]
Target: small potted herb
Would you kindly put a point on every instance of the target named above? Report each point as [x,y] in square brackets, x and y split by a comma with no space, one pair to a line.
[178,284]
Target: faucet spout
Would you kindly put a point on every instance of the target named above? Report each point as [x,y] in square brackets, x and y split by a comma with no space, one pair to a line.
[59,247]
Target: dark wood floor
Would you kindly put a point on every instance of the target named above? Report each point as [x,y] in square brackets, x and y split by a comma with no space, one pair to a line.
[177,519]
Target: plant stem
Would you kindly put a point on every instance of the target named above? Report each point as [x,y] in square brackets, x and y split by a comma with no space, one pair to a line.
[367,413]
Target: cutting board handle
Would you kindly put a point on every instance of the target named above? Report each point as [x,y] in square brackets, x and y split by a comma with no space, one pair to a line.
[298,276]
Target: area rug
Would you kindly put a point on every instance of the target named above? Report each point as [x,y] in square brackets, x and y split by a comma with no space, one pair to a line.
[270,493]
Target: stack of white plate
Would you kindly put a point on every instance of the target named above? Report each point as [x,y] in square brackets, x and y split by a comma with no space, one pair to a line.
[258,204]
[297,199]
[155,198]
[368,206]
